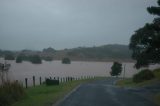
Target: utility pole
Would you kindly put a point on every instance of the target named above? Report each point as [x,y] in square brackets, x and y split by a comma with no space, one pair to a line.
[124,71]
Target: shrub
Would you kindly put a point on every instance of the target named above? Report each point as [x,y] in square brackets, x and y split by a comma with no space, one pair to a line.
[157,73]
[19,59]
[9,57]
[36,59]
[52,82]
[10,92]
[143,75]
[116,69]
[66,61]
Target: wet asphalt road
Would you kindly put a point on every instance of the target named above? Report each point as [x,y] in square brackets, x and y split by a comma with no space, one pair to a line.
[104,93]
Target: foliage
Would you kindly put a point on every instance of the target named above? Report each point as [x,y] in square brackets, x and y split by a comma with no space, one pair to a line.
[36,59]
[157,98]
[102,52]
[48,58]
[145,41]
[19,59]
[116,69]
[48,95]
[143,75]
[9,57]
[10,92]
[105,52]
[154,10]
[157,73]
[129,82]
[49,50]
[5,53]
[52,82]
[66,61]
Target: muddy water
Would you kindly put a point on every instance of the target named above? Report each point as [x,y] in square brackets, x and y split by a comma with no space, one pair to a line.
[20,71]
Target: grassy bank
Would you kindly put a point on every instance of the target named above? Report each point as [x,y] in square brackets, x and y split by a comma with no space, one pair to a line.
[129,83]
[47,95]
[157,98]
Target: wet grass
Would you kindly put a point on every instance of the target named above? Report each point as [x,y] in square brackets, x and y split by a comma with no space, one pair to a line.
[157,99]
[11,92]
[129,83]
[47,95]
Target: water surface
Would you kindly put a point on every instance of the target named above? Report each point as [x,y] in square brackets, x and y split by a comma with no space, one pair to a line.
[20,71]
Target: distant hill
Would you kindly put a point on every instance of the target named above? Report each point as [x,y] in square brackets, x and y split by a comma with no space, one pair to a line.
[112,52]
[101,53]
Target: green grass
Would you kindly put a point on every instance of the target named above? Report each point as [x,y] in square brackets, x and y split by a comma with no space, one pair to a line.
[157,99]
[11,92]
[157,73]
[129,82]
[47,95]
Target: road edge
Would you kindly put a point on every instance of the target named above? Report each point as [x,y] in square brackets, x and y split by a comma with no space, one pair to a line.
[66,96]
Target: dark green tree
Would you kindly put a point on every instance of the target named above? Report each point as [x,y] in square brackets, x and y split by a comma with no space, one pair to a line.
[36,59]
[9,57]
[116,69]
[66,61]
[19,59]
[145,42]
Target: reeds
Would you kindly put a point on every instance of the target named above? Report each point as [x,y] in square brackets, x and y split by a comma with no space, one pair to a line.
[10,92]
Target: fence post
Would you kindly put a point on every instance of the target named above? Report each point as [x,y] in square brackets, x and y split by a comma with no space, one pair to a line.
[60,80]
[26,83]
[63,79]
[40,80]
[34,81]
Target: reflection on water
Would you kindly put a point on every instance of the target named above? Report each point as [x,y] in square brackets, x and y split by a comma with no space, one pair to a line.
[20,71]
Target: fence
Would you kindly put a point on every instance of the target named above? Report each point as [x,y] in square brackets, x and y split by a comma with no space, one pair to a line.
[60,79]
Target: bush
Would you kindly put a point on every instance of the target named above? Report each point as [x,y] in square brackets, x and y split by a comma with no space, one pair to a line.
[52,82]
[35,59]
[19,59]
[66,61]
[9,57]
[116,69]
[143,75]
[10,92]
[157,73]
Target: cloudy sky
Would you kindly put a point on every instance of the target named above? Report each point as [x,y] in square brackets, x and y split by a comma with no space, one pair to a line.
[37,24]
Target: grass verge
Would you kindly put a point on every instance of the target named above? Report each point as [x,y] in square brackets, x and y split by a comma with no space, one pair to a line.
[47,95]
[157,99]
[129,83]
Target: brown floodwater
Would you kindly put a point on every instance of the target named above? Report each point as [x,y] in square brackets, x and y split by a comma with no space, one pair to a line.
[20,71]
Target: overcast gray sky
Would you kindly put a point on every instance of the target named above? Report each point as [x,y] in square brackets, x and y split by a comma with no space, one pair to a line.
[37,24]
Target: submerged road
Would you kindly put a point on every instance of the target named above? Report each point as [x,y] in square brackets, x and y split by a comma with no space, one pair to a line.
[104,93]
